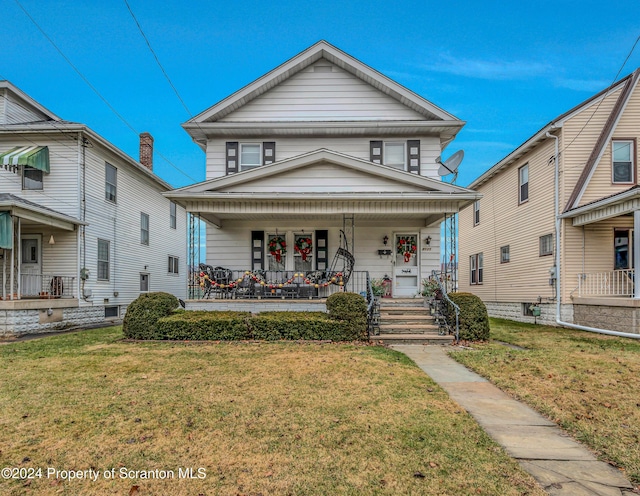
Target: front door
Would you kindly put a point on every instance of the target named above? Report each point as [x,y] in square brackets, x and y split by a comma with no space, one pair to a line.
[406,272]
[31,265]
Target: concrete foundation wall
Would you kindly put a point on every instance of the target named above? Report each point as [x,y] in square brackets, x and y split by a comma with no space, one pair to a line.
[514,311]
[613,318]
[17,322]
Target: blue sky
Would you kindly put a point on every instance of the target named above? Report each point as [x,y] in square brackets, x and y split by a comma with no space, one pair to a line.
[506,69]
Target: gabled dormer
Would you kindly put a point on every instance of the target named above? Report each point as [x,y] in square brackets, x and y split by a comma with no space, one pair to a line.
[16,107]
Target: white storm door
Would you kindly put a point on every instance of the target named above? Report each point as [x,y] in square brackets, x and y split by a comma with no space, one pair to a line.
[406,272]
[31,265]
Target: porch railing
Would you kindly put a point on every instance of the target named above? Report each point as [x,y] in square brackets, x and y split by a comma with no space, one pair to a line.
[613,283]
[275,284]
[46,286]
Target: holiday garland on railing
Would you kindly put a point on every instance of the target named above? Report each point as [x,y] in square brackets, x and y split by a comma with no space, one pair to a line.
[407,247]
[277,247]
[335,279]
[304,246]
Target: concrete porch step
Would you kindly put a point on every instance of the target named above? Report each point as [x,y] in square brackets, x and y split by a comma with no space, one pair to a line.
[432,339]
[408,328]
[399,302]
[404,311]
[407,319]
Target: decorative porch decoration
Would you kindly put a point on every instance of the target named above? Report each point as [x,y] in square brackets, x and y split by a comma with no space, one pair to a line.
[304,247]
[277,247]
[337,278]
[407,247]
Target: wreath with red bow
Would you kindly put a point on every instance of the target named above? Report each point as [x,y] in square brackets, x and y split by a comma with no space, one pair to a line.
[304,246]
[277,247]
[407,247]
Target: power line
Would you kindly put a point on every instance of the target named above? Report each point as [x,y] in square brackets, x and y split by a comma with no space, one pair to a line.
[88,83]
[157,59]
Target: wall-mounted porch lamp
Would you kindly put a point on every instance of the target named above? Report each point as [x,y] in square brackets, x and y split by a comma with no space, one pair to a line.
[385,240]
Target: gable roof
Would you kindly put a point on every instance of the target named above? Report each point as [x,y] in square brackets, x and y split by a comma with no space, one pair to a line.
[540,136]
[322,49]
[431,186]
[603,139]
[7,88]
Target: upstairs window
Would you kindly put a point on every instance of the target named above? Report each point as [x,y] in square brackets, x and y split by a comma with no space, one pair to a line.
[144,229]
[172,215]
[505,257]
[476,212]
[250,155]
[31,178]
[623,163]
[394,155]
[110,183]
[523,179]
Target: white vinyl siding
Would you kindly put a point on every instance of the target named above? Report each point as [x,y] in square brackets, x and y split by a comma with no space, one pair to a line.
[323,96]
[288,147]
[13,112]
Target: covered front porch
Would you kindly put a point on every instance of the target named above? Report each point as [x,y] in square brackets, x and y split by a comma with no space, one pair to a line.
[38,253]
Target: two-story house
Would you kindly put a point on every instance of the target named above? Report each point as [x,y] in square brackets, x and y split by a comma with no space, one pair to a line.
[508,238]
[84,228]
[321,166]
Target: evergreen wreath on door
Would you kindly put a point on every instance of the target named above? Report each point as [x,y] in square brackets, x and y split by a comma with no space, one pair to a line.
[407,247]
[277,247]
[304,247]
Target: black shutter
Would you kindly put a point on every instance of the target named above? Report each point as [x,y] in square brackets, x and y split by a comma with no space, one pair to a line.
[232,157]
[375,149]
[322,250]
[413,156]
[268,152]
[257,250]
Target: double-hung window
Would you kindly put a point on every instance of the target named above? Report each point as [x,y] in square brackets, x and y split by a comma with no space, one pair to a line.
[476,212]
[173,218]
[623,162]
[173,265]
[250,155]
[31,178]
[110,182]
[103,260]
[394,155]
[475,268]
[546,245]
[505,257]
[523,180]
[144,229]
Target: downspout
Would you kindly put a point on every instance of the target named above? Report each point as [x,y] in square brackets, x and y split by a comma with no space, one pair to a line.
[557,260]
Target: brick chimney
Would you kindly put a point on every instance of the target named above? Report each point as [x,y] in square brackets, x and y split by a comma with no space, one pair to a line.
[146,150]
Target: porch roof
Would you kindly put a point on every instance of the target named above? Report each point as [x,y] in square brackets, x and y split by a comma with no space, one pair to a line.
[35,213]
[623,203]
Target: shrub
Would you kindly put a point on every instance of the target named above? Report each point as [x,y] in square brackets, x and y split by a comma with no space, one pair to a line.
[143,313]
[301,325]
[473,320]
[350,308]
[202,325]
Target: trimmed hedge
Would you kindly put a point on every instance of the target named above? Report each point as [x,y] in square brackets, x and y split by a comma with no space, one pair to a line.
[350,308]
[202,326]
[143,313]
[274,326]
[473,320]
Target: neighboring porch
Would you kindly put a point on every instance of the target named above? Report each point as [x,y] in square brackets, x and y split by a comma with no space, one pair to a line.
[38,253]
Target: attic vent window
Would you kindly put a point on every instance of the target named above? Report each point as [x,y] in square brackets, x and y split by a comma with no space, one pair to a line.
[322,68]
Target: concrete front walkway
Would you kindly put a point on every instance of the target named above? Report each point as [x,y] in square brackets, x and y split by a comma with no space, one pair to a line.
[561,465]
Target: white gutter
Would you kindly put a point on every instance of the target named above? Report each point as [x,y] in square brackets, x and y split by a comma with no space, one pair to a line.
[558,220]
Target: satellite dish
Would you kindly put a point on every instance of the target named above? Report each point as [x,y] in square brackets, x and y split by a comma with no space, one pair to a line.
[450,166]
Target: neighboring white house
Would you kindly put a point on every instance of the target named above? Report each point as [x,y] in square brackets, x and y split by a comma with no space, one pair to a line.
[320,159]
[84,228]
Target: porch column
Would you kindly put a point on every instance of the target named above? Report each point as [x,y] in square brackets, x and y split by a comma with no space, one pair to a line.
[636,252]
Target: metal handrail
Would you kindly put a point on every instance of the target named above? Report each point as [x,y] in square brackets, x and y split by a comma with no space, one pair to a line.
[438,277]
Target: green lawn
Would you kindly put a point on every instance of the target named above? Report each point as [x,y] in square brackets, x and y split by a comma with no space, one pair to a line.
[257,418]
[588,383]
